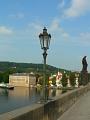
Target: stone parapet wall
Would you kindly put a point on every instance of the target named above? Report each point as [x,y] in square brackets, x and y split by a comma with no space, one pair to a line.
[52,110]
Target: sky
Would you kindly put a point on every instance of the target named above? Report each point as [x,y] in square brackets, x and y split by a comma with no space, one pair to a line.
[21,22]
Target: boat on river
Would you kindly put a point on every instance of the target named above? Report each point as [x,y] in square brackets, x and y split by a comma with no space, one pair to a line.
[7,86]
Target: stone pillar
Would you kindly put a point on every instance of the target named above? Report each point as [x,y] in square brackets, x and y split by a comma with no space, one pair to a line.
[68,83]
[84,77]
[76,82]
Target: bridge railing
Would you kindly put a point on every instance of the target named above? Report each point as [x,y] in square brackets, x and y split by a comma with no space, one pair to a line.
[51,110]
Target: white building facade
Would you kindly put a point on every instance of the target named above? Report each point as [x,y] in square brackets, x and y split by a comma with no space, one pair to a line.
[22,79]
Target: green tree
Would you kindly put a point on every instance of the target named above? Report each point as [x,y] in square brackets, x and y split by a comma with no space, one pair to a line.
[72,78]
[6,77]
[40,80]
[54,80]
[64,80]
[1,76]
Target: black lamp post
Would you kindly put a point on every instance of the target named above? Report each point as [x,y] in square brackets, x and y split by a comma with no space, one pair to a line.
[45,42]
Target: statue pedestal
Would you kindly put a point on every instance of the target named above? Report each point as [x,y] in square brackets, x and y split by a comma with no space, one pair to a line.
[84,77]
[68,83]
[76,82]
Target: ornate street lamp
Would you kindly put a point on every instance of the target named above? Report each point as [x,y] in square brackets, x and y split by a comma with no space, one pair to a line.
[45,42]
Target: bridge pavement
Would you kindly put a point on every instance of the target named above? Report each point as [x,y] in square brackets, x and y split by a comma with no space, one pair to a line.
[80,110]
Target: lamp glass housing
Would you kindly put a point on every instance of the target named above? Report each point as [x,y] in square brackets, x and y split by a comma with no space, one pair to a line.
[45,39]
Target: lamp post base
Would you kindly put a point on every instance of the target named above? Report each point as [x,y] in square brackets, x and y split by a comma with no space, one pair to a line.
[42,101]
[45,96]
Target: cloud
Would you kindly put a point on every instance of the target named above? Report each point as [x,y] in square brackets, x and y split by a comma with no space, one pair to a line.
[61,4]
[53,28]
[77,8]
[57,29]
[5,31]
[34,28]
[85,37]
[17,16]
[54,25]
[35,25]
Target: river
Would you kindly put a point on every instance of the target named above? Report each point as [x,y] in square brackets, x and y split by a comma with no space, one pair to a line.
[20,97]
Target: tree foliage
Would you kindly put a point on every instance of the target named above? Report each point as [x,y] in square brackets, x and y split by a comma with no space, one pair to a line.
[72,78]
[64,80]
[7,68]
[54,80]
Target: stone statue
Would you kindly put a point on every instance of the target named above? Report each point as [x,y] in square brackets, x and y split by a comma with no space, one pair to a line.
[84,72]
[84,63]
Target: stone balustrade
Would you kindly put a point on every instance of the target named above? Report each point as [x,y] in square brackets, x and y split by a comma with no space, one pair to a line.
[51,110]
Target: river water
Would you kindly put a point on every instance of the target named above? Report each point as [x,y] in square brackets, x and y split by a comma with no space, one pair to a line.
[21,96]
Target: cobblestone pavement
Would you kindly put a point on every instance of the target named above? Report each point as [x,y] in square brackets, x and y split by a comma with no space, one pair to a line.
[80,110]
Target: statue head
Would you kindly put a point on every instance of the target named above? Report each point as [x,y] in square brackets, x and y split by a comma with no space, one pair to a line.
[85,56]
